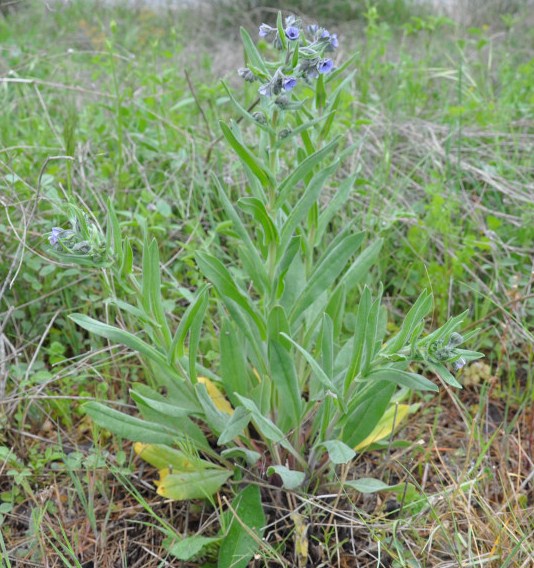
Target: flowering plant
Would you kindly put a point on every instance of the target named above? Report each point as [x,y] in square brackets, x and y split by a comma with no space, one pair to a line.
[305,377]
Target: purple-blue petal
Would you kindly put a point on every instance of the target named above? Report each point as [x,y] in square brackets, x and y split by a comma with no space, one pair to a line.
[289,83]
[325,66]
[292,32]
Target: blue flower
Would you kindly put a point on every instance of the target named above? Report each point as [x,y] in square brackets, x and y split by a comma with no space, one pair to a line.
[289,83]
[55,235]
[333,41]
[325,65]
[292,33]
[265,30]
[266,90]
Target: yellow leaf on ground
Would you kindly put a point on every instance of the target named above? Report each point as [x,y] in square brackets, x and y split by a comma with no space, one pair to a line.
[219,400]
[391,420]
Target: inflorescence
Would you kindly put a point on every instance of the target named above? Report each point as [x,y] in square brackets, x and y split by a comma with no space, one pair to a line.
[305,57]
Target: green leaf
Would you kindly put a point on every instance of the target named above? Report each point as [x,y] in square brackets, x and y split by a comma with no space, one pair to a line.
[445,330]
[245,113]
[359,269]
[320,93]
[129,427]
[233,368]
[307,200]
[358,340]
[252,53]
[114,235]
[302,129]
[268,429]
[366,411]
[303,169]
[418,311]
[284,377]
[250,456]
[215,419]
[445,374]
[256,208]
[330,117]
[338,201]
[256,269]
[189,547]
[157,402]
[290,479]
[327,345]
[127,259]
[215,271]
[119,336]
[367,485]
[234,426]
[195,311]
[339,452]
[281,31]
[201,484]
[283,372]
[244,535]
[247,157]
[316,368]
[326,272]
[151,288]
[404,379]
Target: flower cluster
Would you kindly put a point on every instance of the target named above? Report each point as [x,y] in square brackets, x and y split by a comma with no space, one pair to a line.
[441,352]
[304,57]
[83,239]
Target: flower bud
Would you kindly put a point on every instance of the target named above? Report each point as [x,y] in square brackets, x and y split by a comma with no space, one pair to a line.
[259,117]
[246,73]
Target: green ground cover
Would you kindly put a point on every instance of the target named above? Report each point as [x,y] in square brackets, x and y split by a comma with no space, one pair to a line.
[121,108]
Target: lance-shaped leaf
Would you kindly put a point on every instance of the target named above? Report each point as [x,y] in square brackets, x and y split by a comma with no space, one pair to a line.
[404,379]
[119,336]
[129,427]
[252,53]
[161,457]
[194,312]
[256,208]
[185,485]
[283,372]
[389,422]
[326,273]
[244,533]
[301,171]
[234,426]
[218,274]
[247,157]
[303,205]
[366,413]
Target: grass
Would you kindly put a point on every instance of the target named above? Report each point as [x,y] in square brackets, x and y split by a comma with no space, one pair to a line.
[124,104]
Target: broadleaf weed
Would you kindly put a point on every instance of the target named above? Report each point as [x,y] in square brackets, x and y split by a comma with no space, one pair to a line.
[289,382]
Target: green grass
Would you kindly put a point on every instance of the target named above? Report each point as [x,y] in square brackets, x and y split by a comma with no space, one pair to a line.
[96,104]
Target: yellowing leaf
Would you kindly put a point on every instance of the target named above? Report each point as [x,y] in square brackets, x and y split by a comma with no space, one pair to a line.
[191,484]
[301,538]
[162,475]
[162,456]
[391,420]
[216,396]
